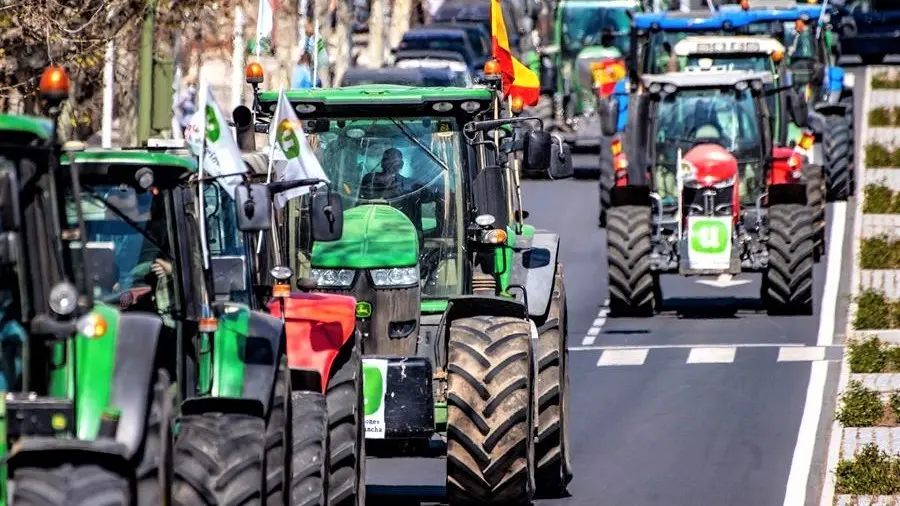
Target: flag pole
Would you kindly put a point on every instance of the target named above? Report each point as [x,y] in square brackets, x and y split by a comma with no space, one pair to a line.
[315,75]
[201,203]
[516,180]
[271,161]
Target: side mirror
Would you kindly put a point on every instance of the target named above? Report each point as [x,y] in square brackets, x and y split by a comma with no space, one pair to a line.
[254,203]
[100,258]
[609,116]
[561,160]
[536,151]
[799,109]
[229,274]
[327,216]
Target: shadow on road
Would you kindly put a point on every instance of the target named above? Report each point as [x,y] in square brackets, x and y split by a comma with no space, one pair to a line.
[723,307]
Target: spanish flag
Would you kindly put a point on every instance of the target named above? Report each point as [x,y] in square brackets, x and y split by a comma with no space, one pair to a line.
[500,46]
[526,84]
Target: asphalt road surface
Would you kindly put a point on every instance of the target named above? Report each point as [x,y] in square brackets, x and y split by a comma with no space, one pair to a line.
[701,405]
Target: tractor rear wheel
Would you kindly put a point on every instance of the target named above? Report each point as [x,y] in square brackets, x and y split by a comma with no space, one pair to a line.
[788,280]
[837,145]
[154,473]
[346,483]
[631,282]
[490,412]
[276,428]
[219,460]
[309,458]
[607,179]
[552,459]
[815,198]
[69,485]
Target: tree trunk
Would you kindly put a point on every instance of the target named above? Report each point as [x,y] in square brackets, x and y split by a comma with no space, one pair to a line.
[400,17]
[376,33]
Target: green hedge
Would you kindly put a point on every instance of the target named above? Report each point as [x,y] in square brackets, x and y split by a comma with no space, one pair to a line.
[881,252]
[883,81]
[875,311]
[862,407]
[880,157]
[872,472]
[881,200]
[884,117]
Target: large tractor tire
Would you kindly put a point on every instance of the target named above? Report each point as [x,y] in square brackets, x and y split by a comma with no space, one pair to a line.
[154,473]
[553,462]
[787,286]
[276,430]
[815,198]
[309,439]
[837,146]
[219,460]
[607,179]
[69,485]
[490,419]
[347,472]
[632,286]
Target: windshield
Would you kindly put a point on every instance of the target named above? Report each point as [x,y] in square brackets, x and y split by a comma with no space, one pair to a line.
[414,165]
[659,57]
[435,43]
[583,26]
[725,62]
[127,245]
[726,117]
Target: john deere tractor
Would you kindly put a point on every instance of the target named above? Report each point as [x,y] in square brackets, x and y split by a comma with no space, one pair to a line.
[84,405]
[460,305]
[701,190]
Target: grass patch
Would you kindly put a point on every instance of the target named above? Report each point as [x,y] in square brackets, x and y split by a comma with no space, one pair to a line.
[884,116]
[878,156]
[880,199]
[881,252]
[875,311]
[871,356]
[884,81]
[872,472]
[860,407]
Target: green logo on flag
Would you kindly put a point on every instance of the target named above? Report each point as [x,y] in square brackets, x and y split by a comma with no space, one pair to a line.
[373,389]
[709,236]
[287,140]
[213,130]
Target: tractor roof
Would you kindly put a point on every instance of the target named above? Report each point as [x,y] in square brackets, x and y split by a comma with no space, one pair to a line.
[728,17]
[39,127]
[602,4]
[710,79]
[377,100]
[121,157]
[702,44]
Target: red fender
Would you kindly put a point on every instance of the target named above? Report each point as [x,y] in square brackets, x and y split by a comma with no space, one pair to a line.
[317,326]
[782,171]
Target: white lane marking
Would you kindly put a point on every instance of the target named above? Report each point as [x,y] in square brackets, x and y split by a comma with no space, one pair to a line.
[712,355]
[833,273]
[683,346]
[804,354]
[597,326]
[795,492]
[623,357]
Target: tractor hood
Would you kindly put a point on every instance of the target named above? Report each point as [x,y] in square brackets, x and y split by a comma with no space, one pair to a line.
[375,236]
[710,164]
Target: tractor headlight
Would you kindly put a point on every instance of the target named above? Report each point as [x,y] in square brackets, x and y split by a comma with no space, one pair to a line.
[333,278]
[397,277]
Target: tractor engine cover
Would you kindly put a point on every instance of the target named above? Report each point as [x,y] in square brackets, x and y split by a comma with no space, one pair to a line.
[712,164]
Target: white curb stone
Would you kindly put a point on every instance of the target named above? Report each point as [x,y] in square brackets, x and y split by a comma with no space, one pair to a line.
[886,281]
[886,136]
[874,225]
[867,500]
[855,438]
[887,177]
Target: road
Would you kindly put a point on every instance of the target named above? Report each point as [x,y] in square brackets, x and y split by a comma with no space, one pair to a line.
[705,404]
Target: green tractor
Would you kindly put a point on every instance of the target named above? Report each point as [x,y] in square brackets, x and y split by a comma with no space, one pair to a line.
[84,410]
[234,394]
[460,305]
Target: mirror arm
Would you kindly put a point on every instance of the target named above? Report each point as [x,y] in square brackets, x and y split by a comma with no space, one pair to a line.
[283,186]
[485,125]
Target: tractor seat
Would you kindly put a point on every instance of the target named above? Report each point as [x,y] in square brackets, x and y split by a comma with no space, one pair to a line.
[707,131]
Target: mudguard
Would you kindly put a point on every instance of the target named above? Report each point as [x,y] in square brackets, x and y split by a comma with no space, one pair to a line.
[534,268]
[466,306]
[263,356]
[788,193]
[629,195]
[133,376]
[818,118]
[47,452]
[317,326]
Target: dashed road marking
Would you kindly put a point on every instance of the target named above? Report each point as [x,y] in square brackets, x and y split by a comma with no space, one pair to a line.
[634,356]
[804,354]
[712,355]
[597,326]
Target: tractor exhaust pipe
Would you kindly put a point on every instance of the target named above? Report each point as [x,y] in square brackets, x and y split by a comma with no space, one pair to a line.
[243,125]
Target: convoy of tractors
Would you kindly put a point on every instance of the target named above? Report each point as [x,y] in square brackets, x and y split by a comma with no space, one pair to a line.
[402,306]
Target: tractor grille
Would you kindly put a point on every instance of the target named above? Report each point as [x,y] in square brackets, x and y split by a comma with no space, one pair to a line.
[708,201]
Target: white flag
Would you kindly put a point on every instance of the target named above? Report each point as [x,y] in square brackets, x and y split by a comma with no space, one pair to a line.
[286,137]
[264,24]
[220,151]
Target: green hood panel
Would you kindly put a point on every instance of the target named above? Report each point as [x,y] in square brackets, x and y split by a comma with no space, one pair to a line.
[95,365]
[228,351]
[375,236]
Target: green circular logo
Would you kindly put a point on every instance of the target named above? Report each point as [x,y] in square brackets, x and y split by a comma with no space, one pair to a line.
[373,389]
[213,130]
[287,140]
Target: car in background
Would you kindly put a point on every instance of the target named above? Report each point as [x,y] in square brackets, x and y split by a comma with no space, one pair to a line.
[869,28]
[419,77]
[479,38]
[479,11]
[428,38]
[437,60]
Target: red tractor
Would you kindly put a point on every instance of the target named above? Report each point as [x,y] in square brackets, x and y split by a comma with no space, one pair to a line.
[700,190]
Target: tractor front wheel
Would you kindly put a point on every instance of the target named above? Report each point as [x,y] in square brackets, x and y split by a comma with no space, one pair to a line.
[276,459]
[815,198]
[490,419]
[68,485]
[787,286]
[554,464]
[631,282]
[154,473]
[219,460]
[309,437]
[837,145]
[346,485]
[607,179]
